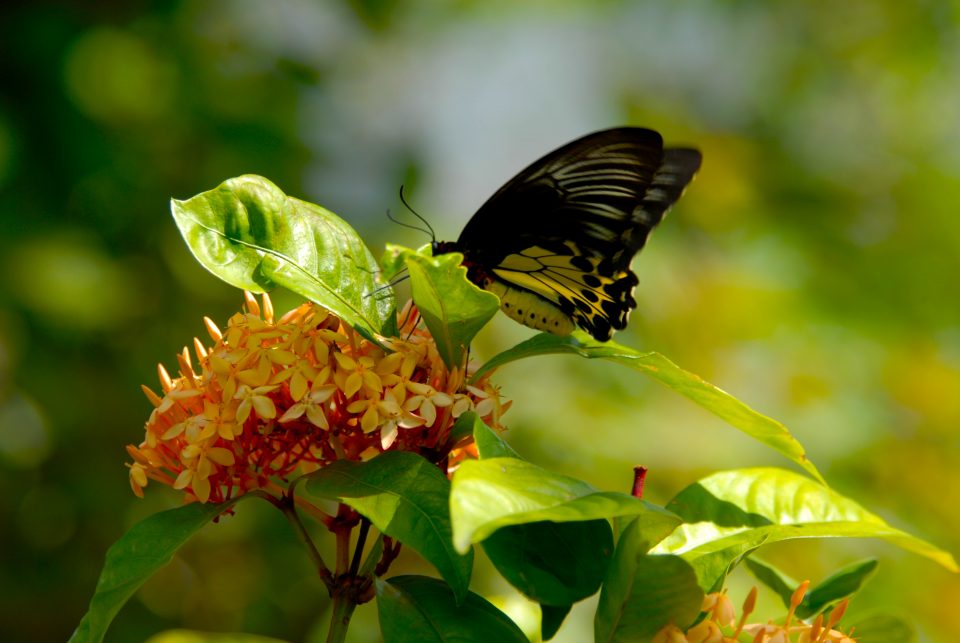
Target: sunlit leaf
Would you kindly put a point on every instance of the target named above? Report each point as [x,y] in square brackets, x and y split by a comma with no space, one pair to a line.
[493,493]
[417,609]
[489,443]
[841,584]
[453,308]
[714,562]
[734,511]
[773,578]
[250,234]
[713,399]
[552,563]
[405,497]
[131,561]
[642,593]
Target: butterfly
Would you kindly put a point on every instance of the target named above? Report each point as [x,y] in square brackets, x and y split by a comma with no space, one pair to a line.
[556,242]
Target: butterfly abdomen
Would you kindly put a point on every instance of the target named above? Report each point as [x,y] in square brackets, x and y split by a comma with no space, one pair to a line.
[529,309]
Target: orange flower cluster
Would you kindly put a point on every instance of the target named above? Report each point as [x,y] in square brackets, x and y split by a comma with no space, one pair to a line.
[274,398]
[720,624]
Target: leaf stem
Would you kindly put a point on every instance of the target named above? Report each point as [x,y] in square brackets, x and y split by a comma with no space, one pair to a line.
[344,603]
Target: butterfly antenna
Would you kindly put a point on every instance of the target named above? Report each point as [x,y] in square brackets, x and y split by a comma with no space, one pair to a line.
[407,225]
[399,279]
[413,324]
[403,199]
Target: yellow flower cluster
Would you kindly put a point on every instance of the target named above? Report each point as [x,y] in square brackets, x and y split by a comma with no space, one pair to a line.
[271,398]
[720,624]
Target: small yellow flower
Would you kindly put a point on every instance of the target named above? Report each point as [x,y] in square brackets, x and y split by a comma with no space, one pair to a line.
[275,398]
[311,404]
[425,401]
[719,624]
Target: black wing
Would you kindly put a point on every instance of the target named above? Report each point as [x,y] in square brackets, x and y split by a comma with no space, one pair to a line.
[566,228]
[605,192]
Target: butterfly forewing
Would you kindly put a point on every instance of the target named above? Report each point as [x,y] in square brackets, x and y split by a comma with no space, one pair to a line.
[566,228]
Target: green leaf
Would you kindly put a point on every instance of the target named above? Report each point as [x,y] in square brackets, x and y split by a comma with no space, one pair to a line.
[841,584]
[881,627]
[719,402]
[146,547]
[405,497]
[744,508]
[417,609]
[250,234]
[453,308]
[642,593]
[553,563]
[393,261]
[489,443]
[773,578]
[551,618]
[713,565]
[493,493]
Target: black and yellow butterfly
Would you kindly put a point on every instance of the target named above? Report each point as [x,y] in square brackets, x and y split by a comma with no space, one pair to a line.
[555,243]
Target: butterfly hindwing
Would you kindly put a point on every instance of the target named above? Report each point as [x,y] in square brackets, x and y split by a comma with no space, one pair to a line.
[596,297]
[555,243]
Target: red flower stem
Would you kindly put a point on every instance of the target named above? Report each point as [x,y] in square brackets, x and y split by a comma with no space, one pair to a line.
[639,477]
[343,524]
[318,514]
[391,549]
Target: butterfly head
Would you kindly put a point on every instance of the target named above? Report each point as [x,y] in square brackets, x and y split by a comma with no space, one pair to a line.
[443,247]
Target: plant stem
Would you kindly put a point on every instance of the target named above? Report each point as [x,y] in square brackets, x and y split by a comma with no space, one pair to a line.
[344,603]
[358,549]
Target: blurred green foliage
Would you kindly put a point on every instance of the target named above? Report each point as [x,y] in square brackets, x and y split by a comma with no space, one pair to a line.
[811,270]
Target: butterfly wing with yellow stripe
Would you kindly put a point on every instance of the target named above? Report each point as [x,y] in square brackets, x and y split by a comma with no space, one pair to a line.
[555,243]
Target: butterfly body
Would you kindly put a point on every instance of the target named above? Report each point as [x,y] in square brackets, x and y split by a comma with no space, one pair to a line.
[556,242]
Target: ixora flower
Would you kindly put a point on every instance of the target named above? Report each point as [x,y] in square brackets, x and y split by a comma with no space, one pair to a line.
[275,398]
[720,625]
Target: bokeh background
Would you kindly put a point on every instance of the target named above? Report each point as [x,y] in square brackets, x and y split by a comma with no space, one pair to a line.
[813,268]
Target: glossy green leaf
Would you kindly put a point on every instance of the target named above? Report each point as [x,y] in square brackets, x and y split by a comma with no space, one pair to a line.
[713,564]
[551,618]
[453,309]
[642,593]
[841,584]
[489,443]
[553,563]
[493,493]
[749,507]
[720,403]
[393,261]
[146,547]
[417,609]
[773,578]
[250,234]
[405,497]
